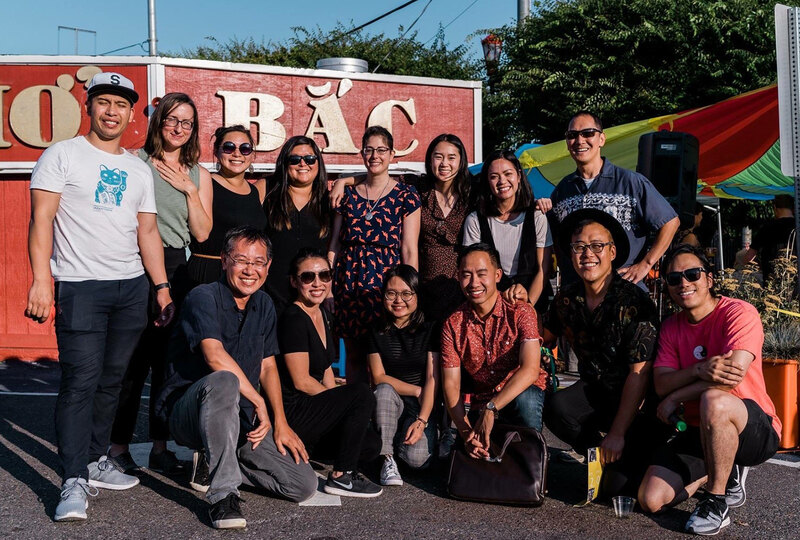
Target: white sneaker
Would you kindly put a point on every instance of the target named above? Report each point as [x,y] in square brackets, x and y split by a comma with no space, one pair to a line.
[390,476]
[105,473]
[74,502]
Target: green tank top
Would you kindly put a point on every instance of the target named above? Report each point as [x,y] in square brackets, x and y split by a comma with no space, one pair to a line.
[173,213]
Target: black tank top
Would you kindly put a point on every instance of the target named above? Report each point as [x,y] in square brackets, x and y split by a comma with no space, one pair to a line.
[230,210]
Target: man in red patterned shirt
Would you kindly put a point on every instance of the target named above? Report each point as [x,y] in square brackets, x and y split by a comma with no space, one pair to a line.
[495,345]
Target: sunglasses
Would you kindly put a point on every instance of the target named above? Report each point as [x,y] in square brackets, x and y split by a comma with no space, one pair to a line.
[587,133]
[294,159]
[229,147]
[691,274]
[307,278]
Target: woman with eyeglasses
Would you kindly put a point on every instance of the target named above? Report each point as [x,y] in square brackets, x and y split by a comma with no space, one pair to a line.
[376,227]
[183,196]
[508,220]
[329,419]
[237,202]
[403,358]
[446,195]
[298,212]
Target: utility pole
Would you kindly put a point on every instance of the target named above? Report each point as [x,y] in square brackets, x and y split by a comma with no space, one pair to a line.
[151,26]
[523,11]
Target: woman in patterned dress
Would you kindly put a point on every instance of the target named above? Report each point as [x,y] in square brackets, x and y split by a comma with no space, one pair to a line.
[376,227]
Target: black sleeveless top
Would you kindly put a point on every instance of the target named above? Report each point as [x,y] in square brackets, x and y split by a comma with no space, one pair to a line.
[230,210]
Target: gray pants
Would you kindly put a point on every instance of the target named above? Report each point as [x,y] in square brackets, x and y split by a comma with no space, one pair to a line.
[393,415]
[206,418]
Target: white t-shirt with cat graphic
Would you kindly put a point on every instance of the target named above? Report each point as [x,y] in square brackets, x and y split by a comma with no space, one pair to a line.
[95,229]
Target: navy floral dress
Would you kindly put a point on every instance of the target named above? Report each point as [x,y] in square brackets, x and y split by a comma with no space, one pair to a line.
[370,245]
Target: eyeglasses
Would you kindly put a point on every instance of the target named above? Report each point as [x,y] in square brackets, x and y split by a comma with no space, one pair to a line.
[587,133]
[381,150]
[307,278]
[674,279]
[171,121]
[579,248]
[295,159]
[406,296]
[229,147]
[242,262]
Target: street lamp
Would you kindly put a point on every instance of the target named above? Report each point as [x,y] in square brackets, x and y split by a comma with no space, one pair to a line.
[492,47]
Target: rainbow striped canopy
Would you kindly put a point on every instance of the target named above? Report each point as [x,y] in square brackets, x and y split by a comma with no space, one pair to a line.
[739,148]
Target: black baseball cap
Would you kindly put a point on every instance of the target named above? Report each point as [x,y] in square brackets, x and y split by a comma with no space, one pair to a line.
[618,235]
[112,83]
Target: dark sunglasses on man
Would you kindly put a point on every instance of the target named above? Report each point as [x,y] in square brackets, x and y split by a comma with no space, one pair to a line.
[587,133]
[229,147]
[674,279]
[294,159]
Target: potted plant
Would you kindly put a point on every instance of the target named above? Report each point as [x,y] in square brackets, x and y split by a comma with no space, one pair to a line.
[777,303]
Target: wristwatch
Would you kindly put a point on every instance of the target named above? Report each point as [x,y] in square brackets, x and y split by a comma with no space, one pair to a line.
[160,286]
[491,407]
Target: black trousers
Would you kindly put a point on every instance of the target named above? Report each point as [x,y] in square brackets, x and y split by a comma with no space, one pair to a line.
[581,415]
[97,326]
[150,356]
[336,423]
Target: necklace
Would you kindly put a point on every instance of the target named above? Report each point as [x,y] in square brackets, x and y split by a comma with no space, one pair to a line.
[371,210]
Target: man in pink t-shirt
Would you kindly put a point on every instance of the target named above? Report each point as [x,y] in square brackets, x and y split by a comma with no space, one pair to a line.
[709,366]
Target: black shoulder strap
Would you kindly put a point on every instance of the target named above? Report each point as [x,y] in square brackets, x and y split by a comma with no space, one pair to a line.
[486,232]
[528,264]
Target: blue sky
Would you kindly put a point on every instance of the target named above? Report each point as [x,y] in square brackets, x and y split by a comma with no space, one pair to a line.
[33,26]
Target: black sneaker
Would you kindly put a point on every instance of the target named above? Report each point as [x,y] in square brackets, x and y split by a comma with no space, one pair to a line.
[200,479]
[735,494]
[710,516]
[227,514]
[352,484]
[166,463]
[125,462]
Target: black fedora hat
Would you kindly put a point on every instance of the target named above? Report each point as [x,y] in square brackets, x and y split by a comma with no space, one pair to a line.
[618,235]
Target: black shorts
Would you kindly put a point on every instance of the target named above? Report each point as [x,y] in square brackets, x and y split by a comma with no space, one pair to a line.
[683,454]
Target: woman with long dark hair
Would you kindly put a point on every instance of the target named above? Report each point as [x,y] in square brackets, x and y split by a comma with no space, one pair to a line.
[507,219]
[376,228]
[447,199]
[237,202]
[329,419]
[298,211]
[183,195]
[403,359]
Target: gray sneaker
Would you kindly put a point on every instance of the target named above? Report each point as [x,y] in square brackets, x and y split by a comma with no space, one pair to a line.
[107,474]
[735,494]
[73,503]
[710,516]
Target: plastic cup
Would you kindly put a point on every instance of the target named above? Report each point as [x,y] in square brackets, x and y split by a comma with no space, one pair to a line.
[623,506]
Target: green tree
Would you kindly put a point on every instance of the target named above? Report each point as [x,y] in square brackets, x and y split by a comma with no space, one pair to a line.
[403,55]
[626,60]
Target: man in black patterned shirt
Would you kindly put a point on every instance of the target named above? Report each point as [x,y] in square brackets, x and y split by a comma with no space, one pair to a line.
[611,324]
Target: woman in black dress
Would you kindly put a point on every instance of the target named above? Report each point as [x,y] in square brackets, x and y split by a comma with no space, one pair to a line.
[298,212]
[328,418]
[403,358]
[236,201]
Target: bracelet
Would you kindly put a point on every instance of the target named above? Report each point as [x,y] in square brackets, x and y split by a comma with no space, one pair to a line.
[424,422]
[160,286]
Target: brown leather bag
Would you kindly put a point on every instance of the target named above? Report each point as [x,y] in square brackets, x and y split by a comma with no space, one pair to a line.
[515,474]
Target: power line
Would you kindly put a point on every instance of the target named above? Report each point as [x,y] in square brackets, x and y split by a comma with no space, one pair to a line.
[451,21]
[141,44]
[402,36]
[376,19]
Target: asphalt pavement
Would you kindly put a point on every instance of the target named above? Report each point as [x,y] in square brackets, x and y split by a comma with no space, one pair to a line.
[162,507]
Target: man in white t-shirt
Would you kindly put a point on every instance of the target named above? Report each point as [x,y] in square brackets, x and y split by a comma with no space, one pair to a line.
[93,229]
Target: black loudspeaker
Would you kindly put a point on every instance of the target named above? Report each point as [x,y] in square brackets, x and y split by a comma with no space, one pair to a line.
[669,160]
